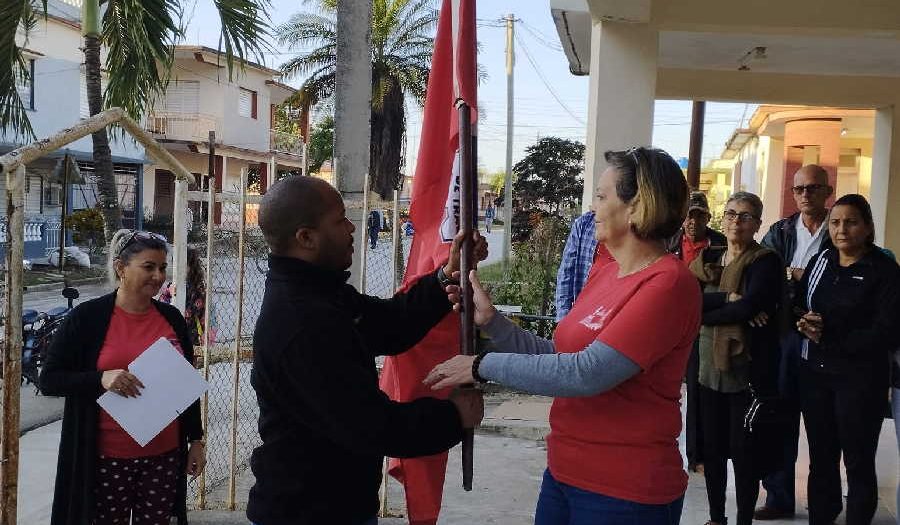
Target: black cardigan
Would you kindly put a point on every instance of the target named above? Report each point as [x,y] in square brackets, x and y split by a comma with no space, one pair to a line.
[70,370]
[324,423]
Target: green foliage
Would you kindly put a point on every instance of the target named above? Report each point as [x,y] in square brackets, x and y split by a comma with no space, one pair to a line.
[321,143]
[87,228]
[549,177]
[532,274]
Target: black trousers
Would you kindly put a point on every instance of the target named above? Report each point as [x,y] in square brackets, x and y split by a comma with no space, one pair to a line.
[723,435]
[842,415]
[693,439]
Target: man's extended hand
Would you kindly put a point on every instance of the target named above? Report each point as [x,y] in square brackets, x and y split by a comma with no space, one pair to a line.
[481,251]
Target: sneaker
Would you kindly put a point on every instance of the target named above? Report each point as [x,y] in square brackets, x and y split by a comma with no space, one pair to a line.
[765,513]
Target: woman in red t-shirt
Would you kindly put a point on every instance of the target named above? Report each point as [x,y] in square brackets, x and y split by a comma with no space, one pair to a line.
[616,361]
[103,475]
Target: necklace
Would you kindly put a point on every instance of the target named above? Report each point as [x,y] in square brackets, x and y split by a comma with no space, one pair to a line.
[643,266]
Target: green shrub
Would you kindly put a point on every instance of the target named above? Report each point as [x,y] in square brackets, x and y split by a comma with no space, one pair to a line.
[87,228]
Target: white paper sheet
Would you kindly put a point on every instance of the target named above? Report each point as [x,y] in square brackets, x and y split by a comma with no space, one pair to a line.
[171,384]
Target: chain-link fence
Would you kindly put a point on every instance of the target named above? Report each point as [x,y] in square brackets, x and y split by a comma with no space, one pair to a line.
[235,289]
[234,296]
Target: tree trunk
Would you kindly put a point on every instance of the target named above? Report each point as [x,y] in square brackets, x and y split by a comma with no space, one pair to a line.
[103,168]
[386,145]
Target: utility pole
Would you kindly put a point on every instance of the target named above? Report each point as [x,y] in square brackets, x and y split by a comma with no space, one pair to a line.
[696,146]
[507,197]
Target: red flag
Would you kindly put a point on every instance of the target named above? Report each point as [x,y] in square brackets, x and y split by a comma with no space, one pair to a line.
[434,212]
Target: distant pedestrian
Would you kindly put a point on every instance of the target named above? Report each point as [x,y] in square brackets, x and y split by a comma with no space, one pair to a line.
[195,303]
[489,217]
[103,476]
[408,228]
[374,226]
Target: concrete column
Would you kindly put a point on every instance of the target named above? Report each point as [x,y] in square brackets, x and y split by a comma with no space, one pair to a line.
[801,139]
[352,113]
[622,91]
[885,159]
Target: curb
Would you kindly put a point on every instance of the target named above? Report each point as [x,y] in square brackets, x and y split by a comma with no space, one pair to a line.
[59,285]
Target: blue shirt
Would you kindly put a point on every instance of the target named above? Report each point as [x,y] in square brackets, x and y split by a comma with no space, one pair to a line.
[577,257]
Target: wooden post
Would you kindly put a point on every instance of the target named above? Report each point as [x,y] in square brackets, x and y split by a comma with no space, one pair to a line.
[698,113]
[363,250]
[207,321]
[62,218]
[235,398]
[397,238]
[466,260]
[12,346]
[179,258]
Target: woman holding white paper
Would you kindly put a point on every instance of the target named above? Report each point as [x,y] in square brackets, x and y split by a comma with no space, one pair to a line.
[103,475]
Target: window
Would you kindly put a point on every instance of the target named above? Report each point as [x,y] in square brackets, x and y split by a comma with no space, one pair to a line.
[247,103]
[52,195]
[183,97]
[25,86]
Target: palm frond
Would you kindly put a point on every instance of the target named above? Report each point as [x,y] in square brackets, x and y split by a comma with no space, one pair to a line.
[304,29]
[245,30]
[322,57]
[13,14]
[141,35]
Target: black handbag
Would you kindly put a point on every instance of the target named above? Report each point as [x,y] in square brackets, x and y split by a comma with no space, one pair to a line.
[765,427]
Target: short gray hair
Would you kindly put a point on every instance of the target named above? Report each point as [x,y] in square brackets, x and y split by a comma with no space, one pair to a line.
[750,198]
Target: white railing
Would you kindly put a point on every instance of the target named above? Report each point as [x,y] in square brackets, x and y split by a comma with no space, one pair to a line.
[193,127]
[282,142]
[76,3]
[32,230]
[52,233]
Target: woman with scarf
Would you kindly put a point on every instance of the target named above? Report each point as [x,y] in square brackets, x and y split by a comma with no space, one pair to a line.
[737,353]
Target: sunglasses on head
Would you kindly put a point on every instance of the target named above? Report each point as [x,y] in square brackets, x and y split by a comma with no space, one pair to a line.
[139,236]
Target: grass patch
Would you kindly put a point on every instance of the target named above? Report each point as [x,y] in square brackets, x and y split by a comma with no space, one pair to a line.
[491,273]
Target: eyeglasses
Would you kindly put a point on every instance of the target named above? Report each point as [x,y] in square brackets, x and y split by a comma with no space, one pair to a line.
[633,152]
[139,236]
[809,188]
[733,216]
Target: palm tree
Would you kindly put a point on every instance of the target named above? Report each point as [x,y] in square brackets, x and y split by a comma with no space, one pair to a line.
[402,45]
[140,35]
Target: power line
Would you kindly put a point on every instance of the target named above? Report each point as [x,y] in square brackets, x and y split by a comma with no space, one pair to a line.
[547,84]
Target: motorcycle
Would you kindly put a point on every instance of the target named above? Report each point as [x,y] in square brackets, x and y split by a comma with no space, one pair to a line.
[38,330]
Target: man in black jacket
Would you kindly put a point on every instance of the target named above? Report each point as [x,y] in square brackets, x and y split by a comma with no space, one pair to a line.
[694,236]
[797,239]
[324,423]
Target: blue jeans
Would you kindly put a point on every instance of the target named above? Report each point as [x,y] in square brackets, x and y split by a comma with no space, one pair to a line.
[561,504]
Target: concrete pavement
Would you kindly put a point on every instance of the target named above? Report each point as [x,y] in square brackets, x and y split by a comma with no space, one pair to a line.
[509,460]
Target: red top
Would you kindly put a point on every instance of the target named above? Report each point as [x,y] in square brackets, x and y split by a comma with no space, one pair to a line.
[128,336]
[624,443]
[690,249]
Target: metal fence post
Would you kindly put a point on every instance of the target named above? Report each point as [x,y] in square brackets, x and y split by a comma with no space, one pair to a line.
[12,348]
[235,399]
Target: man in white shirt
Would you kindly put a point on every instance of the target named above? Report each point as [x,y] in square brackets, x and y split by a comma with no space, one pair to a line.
[797,239]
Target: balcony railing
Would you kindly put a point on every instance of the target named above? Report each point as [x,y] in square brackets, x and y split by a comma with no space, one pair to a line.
[194,127]
[282,142]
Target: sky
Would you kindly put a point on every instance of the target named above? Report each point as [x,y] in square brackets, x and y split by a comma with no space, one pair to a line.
[548,99]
